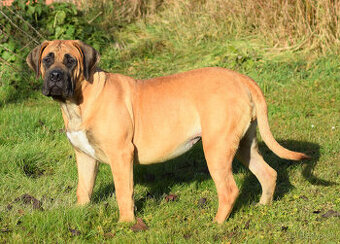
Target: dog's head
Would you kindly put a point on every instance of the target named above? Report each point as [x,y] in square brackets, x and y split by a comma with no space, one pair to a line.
[62,64]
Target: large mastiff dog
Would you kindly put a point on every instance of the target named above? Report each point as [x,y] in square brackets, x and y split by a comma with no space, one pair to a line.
[118,120]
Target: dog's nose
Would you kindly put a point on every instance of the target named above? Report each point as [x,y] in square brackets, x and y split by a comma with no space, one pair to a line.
[56,75]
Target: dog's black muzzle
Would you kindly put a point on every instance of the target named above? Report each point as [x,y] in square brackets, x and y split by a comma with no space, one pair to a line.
[58,83]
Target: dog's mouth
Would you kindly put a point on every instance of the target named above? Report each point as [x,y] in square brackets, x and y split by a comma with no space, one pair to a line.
[58,98]
[58,90]
[55,91]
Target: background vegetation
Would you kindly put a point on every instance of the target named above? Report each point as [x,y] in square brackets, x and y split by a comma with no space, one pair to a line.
[141,28]
[290,48]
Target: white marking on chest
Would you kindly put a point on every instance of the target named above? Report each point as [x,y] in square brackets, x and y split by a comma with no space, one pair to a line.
[80,141]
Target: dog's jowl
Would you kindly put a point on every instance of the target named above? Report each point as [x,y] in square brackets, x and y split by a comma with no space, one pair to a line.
[120,121]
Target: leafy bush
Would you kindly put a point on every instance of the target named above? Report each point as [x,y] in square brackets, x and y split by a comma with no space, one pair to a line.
[24,26]
[145,28]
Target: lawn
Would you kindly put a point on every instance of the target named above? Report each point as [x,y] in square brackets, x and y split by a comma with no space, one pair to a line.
[177,200]
[303,97]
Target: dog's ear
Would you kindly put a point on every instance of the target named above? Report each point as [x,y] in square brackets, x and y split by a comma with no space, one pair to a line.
[34,58]
[90,58]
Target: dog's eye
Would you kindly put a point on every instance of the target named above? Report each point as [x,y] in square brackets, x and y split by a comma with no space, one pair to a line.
[48,60]
[69,61]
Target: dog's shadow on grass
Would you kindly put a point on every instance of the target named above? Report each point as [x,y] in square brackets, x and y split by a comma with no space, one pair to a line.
[191,167]
[250,190]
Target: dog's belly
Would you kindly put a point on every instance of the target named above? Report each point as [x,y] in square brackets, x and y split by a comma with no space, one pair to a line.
[79,140]
[184,147]
[160,150]
[156,154]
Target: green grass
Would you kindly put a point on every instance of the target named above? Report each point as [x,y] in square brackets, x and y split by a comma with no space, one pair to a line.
[304,101]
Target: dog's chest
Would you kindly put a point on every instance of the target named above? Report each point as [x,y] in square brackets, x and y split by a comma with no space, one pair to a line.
[80,140]
[75,131]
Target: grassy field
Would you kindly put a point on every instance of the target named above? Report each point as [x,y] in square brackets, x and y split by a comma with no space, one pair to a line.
[38,175]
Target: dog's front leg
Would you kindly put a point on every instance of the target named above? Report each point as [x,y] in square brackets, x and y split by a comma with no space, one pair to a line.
[121,162]
[87,172]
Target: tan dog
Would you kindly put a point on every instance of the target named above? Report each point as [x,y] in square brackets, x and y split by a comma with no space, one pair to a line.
[115,119]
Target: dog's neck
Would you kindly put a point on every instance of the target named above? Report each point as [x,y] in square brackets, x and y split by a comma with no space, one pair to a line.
[73,107]
[72,112]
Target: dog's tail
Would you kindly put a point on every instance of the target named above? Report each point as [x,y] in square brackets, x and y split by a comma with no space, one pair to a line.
[262,120]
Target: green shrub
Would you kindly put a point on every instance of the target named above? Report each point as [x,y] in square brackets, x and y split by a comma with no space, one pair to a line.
[27,25]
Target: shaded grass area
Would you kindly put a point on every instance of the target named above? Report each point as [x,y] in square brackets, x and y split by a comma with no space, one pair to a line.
[303,97]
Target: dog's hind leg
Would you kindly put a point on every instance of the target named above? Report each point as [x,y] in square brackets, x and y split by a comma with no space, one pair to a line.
[250,157]
[219,150]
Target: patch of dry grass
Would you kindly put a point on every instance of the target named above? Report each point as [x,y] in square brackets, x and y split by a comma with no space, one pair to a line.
[281,25]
